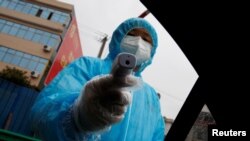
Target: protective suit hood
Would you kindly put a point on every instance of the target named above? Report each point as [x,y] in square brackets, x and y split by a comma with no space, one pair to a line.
[123,29]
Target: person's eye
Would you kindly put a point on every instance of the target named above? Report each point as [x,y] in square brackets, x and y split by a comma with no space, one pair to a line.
[145,39]
[131,34]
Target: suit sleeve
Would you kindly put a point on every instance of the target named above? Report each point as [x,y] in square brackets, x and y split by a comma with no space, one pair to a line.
[51,115]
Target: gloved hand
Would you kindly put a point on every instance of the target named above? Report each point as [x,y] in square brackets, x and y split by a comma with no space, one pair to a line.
[103,102]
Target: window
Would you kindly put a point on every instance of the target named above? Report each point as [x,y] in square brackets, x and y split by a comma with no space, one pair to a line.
[27,56]
[55,17]
[19,7]
[32,65]
[2,52]
[16,59]
[1,55]
[24,62]
[43,60]
[12,5]
[50,15]
[8,56]
[40,67]
[63,19]
[2,21]
[30,34]
[39,12]
[36,38]
[34,58]
[21,59]
[45,14]
[6,29]
[26,8]
[21,33]
[52,42]
[5,3]
[20,54]
[35,10]
[13,30]
[44,40]
[2,49]
[1,24]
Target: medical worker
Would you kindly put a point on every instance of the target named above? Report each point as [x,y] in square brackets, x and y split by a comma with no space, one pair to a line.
[86,102]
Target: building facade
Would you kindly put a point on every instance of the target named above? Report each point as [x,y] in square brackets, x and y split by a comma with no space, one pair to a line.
[32,32]
[39,37]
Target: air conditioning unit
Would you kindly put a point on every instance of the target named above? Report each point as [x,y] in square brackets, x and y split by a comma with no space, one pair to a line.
[46,48]
[35,74]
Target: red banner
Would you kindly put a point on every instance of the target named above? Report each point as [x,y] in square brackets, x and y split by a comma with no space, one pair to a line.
[70,50]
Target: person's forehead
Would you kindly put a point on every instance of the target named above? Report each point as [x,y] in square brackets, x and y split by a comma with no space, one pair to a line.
[140,31]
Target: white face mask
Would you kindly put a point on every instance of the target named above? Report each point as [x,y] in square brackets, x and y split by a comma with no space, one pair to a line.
[137,46]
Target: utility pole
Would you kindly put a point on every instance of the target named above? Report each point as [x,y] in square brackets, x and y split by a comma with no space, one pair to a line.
[104,40]
[144,14]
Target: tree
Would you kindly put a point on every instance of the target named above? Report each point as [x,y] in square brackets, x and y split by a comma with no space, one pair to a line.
[16,76]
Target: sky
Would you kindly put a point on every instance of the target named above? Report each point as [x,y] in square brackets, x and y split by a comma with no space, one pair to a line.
[170,73]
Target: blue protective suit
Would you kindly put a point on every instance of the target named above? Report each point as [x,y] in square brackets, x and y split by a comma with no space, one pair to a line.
[52,117]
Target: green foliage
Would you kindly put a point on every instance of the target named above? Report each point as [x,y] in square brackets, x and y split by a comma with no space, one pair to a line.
[16,76]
